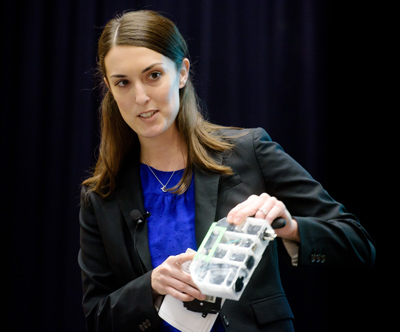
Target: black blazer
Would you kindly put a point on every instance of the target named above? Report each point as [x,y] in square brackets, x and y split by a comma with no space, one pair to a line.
[115,258]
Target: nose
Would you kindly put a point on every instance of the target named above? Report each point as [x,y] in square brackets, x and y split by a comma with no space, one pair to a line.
[141,97]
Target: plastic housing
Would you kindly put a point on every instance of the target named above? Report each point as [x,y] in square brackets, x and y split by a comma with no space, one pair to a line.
[228,256]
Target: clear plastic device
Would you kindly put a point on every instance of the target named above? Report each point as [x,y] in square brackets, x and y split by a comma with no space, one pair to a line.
[228,256]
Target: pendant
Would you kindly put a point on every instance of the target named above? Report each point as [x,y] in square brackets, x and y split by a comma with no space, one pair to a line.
[163,189]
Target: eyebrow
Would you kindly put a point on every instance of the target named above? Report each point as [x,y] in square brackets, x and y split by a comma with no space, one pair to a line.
[143,71]
[151,66]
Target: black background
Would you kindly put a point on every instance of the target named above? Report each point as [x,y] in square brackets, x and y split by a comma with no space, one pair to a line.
[320,76]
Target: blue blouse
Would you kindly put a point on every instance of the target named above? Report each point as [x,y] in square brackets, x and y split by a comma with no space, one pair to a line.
[171,224]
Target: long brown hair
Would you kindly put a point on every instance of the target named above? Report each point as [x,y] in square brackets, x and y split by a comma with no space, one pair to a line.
[154,31]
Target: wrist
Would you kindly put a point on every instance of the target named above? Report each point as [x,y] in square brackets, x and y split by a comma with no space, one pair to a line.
[154,293]
[290,231]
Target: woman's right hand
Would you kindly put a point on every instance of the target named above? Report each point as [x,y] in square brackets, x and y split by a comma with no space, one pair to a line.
[169,278]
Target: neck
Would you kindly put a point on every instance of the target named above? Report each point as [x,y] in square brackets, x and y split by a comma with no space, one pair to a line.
[164,154]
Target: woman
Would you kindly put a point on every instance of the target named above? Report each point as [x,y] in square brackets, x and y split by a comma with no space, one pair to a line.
[159,155]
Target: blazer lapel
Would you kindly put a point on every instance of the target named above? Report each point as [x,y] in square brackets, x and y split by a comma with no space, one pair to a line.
[130,197]
[206,195]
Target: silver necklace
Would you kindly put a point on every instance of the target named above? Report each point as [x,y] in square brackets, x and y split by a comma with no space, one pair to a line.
[163,188]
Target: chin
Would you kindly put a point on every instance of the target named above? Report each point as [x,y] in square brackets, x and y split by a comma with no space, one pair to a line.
[156,130]
[151,133]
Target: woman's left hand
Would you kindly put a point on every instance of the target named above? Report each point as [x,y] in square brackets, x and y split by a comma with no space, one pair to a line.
[268,208]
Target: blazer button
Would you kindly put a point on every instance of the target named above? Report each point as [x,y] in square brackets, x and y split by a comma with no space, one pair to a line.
[146,324]
[225,320]
[313,258]
[323,258]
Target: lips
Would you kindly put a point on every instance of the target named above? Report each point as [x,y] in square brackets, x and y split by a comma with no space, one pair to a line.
[147,115]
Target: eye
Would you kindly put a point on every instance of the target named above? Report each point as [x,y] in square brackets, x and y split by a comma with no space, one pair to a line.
[155,75]
[122,83]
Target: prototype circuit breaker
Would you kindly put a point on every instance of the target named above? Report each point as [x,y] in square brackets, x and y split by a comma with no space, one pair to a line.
[228,256]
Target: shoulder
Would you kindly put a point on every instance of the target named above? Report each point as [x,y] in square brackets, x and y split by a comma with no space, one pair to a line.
[239,136]
[249,145]
[254,146]
[89,199]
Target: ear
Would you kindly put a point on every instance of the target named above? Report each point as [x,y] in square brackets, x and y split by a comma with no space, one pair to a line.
[184,73]
[105,81]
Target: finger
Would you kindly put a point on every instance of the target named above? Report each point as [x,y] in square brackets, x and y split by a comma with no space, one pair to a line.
[168,278]
[187,289]
[246,209]
[264,210]
[170,268]
[250,208]
[181,280]
[275,212]
[179,295]
[183,258]
[180,274]
[232,213]
[278,210]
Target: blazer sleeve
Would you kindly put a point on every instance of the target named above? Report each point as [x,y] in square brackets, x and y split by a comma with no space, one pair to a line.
[329,235]
[113,300]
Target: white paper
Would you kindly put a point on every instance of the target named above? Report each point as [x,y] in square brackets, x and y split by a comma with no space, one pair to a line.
[174,313]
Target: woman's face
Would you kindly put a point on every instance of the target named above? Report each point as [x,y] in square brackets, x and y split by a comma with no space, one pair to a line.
[145,84]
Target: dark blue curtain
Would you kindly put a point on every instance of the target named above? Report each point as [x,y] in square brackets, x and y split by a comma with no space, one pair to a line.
[320,76]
